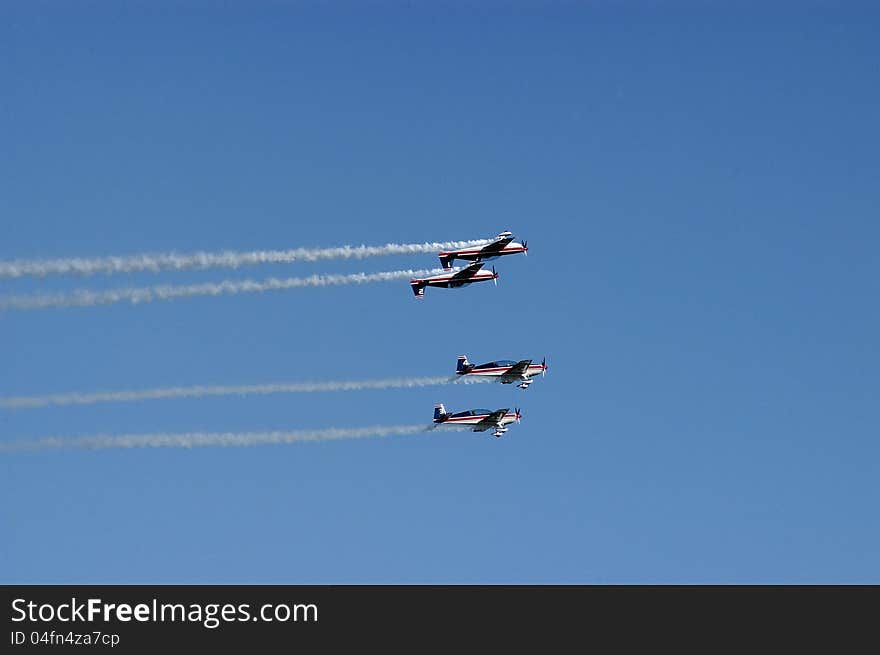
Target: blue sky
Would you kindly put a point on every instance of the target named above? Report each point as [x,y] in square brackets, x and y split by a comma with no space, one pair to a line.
[699,190]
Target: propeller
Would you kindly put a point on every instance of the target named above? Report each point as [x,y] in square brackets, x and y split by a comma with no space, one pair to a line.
[518,415]
[543,367]
[525,248]
[494,276]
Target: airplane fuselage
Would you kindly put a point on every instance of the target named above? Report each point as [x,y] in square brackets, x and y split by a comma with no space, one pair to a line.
[482,253]
[498,371]
[453,279]
[447,281]
[475,254]
[456,419]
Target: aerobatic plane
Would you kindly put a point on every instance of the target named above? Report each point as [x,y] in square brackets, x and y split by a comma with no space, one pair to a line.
[467,275]
[503,244]
[480,419]
[506,370]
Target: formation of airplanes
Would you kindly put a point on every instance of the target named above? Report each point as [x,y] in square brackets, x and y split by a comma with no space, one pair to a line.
[505,371]
[500,246]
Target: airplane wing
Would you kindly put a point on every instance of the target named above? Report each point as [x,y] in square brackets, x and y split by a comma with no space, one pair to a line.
[491,421]
[516,371]
[467,271]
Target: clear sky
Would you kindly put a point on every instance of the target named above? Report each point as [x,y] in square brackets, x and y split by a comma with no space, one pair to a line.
[699,189]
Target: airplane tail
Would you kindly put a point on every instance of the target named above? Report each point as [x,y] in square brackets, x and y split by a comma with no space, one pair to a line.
[439,412]
[446,260]
[463,364]
[418,288]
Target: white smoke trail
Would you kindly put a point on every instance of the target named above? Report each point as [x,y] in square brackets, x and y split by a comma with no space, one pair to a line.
[197,439]
[200,391]
[226,259]
[87,298]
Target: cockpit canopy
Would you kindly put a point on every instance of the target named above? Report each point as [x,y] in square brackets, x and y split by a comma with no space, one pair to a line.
[499,363]
[475,412]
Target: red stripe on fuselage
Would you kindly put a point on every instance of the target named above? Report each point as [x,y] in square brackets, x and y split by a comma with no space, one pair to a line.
[477,418]
[482,252]
[499,369]
[473,278]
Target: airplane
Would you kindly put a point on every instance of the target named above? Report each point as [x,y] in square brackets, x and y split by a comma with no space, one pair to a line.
[503,244]
[467,275]
[481,419]
[506,370]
